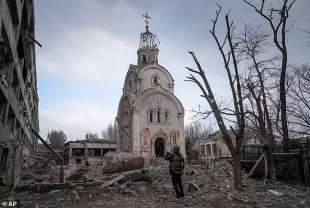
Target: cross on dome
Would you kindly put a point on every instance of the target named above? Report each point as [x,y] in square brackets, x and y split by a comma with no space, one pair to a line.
[148,39]
[147,17]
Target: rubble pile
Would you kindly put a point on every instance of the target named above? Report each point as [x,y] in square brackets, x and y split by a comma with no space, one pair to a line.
[204,186]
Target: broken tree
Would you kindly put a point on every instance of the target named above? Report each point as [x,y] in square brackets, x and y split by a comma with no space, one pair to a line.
[235,86]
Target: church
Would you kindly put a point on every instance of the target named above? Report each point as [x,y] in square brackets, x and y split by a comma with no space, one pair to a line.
[150,117]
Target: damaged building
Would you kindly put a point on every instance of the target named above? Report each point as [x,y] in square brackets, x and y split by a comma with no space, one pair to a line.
[18,88]
[78,152]
[150,117]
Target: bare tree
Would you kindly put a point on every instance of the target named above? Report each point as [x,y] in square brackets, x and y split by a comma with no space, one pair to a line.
[253,44]
[299,100]
[194,132]
[110,133]
[57,139]
[235,85]
[91,136]
[197,130]
[278,20]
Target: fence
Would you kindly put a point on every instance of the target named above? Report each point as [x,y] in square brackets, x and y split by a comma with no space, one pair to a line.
[302,146]
[251,152]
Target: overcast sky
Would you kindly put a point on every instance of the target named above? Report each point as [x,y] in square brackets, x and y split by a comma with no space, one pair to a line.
[89,44]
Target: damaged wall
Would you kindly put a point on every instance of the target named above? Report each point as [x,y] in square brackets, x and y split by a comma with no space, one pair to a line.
[18,88]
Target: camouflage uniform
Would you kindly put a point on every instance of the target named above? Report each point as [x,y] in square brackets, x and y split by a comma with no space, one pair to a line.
[176,167]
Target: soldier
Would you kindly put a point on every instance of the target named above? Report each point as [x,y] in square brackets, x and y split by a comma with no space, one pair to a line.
[176,167]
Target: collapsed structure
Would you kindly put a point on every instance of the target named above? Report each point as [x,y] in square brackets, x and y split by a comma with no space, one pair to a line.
[150,117]
[18,88]
[92,151]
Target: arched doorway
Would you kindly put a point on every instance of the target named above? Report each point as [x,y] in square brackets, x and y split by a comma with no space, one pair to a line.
[160,147]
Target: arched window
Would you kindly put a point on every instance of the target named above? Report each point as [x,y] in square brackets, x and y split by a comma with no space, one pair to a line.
[143,58]
[174,140]
[130,84]
[145,138]
[151,116]
[173,137]
[166,116]
[158,115]
[155,80]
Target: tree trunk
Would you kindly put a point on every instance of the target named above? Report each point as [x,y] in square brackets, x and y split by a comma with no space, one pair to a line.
[237,171]
[283,103]
[268,150]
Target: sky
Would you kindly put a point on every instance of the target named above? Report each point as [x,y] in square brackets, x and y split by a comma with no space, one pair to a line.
[89,44]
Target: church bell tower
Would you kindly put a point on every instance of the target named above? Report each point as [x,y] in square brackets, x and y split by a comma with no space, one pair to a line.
[148,47]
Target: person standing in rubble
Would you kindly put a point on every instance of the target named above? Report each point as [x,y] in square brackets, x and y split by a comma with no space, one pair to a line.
[176,167]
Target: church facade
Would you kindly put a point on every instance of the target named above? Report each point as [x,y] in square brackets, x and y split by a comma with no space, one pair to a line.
[150,117]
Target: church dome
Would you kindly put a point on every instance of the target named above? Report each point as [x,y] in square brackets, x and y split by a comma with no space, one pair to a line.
[148,40]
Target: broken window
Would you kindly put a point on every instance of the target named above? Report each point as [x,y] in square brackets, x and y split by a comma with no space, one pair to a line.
[214,149]
[13,11]
[90,152]
[5,55]
[20,47]
[11,119]
[104,151]
[5,58]
[208,146]
[78,151]
[23,34]
[20,98]
[4,158]
[202,150]
[97,152]
[25,73]
[3,105]
[17,129]
[15,83]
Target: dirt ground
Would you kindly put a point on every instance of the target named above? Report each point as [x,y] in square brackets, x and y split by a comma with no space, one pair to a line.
[204,187]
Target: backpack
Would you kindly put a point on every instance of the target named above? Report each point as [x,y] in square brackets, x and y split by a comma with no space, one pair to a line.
[177,165]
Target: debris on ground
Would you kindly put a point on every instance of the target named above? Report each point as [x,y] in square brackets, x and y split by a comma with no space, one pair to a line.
[204,186]
[275,193]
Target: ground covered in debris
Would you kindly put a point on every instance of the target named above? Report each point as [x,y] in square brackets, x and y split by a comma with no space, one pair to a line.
[204,187]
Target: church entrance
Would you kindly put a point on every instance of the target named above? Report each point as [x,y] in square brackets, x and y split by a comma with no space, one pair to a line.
[159,147]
